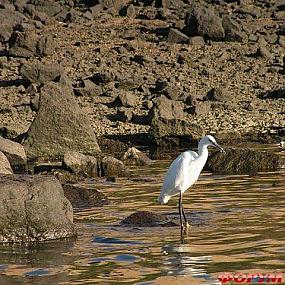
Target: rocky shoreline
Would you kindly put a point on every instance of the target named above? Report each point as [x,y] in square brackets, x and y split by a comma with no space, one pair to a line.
[164,69]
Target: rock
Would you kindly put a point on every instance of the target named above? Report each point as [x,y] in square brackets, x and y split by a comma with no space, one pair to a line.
[41,73]
[197,41]
[65,128]
[126,99]
[216,94]
[171,91]
[33,209]
[134,156]
[168,123]
[88,89]
[203,21]
[170,4]
[263,50]
[201,108]
[100,78]
[83,197]
[149,13]
[15,153]
[142,59]
[232,30]
[81,164]
[244,161]
[5,167]
[9,20]
[147,219]
[112,146]
[28,45]
[131,11]
[274,94]
[111,166]
[49,7]
[175,36]
[175,132]
[168,109]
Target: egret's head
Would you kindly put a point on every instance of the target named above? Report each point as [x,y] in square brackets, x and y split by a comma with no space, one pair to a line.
[211,141]
[282,144]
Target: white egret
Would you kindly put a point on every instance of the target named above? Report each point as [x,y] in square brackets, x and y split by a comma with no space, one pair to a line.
[282,144]
[184,172]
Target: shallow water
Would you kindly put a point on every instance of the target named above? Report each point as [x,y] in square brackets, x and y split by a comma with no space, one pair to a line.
[237,225]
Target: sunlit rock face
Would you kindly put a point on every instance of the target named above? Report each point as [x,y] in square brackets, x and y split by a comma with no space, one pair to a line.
[33,208]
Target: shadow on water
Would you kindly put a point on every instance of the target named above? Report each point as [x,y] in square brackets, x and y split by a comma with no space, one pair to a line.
[237,225]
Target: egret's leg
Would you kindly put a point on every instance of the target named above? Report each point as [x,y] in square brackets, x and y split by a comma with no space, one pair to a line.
[180,214]
[185,219]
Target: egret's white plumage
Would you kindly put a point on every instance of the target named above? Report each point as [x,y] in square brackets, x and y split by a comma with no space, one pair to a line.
[177,177]
[184,172]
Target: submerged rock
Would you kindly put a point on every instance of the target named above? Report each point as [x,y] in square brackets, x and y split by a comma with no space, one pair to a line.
[147,219]
[82,197]
[33,208]
[244,161]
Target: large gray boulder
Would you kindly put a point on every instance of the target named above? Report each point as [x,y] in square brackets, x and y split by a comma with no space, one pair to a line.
[59,125]
[244,161]
[15,153]
[5,167]
[33,208]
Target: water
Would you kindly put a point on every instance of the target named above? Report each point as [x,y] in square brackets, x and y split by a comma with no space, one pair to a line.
[237,225]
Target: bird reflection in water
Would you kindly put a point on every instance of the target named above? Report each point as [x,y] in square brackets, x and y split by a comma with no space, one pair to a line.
[182,262]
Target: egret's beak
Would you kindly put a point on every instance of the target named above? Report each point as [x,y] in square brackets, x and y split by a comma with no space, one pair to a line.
[218,147]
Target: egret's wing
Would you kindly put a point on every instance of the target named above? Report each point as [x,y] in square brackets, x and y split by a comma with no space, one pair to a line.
[176,173]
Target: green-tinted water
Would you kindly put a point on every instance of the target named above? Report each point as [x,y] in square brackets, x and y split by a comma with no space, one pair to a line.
[237,225]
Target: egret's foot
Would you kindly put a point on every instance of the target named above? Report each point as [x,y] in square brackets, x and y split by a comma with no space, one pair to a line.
[184,229]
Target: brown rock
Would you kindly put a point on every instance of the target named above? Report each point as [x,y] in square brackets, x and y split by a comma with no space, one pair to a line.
[81,164]
[65,128]
[113,167]
[134,156]
[244,161]
[41,73]
[84,197]
[147,219]
[203,21]
[14,151]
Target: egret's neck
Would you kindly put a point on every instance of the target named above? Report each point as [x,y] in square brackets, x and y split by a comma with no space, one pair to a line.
[203,150]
